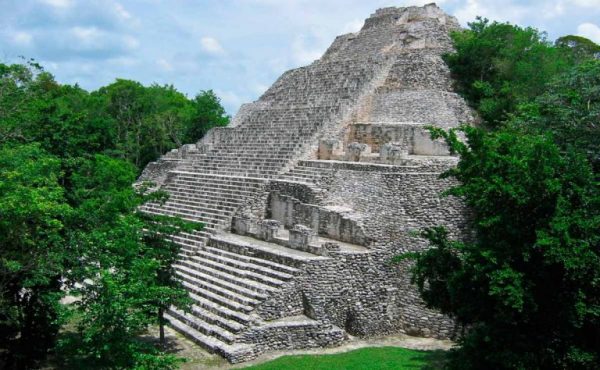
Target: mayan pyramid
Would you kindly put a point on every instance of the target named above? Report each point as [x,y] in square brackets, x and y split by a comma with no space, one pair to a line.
[313,188]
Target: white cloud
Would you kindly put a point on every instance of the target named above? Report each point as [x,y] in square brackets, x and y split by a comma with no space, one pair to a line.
[22,38]
[86,34]
[497,11]
[58,3]
[422,2]
[589,30]
[123,61]
[121,12]
[211,46]
[354,26]
[130,42]
[303,54]
[585,3]
[229,98]
[164,64]
[260,88]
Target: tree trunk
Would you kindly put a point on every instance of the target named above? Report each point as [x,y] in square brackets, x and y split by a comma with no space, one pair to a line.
[161,327]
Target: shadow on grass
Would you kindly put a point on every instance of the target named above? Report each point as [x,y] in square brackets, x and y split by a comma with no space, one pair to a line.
[435,360]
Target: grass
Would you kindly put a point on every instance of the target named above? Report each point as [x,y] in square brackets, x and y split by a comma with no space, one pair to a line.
[376,358]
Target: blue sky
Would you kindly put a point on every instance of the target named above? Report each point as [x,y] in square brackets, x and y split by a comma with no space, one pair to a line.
[235,47]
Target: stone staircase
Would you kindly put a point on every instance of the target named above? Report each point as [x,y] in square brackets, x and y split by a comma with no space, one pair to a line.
[227,279]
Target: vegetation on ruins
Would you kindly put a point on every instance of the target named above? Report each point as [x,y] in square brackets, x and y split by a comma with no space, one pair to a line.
[527,289]
[69,221]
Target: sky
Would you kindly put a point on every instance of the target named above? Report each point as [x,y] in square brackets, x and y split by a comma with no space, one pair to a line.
[237,48]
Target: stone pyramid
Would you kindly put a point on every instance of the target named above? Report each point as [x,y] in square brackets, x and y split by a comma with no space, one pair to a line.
[313,188]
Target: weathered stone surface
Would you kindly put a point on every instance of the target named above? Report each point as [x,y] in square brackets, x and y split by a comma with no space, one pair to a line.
[311,191]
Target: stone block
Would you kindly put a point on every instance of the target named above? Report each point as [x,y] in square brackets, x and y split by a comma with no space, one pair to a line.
[423,145]
[188,148]
[355,150]
[267,229]
[327,248]
[301,236]
[393,153]
[203,148]
[244,225]
[327,148]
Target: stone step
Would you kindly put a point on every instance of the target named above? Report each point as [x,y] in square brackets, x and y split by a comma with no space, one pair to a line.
[231,159]
[202,326]
[184,213]
[208,194]
[313,170]
[239,281]
[264,264]
[257,150]
[181,184]
[208,206]
[238,271]
[217,284]
[212,318]
[257,248]
[199,207]
[185,251]
[234,167]
[208,224]
[199,180]
[212,178]
[239,171]
[248,156]
[196,235]
[234,353]
[299,180]
[251,148]
[220,298]
[209,197]
[240,262]
[220,310]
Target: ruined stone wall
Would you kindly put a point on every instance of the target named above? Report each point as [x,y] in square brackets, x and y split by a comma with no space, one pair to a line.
[364,294]
[413,138]
[393,204]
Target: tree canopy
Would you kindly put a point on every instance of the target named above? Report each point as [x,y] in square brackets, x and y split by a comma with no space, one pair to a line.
[527,289]
[69,219]
[124,120]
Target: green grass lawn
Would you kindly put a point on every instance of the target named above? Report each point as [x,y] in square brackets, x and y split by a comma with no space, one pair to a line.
[361,359]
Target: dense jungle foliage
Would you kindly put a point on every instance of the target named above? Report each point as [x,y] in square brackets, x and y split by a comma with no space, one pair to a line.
[69,222]
[526,291]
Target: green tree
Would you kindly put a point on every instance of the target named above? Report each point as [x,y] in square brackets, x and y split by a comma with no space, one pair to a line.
[124,119]
[69,216]
[208,113]
[124,273]
[21,86]
[33,253]
[581,48]
[127,104]
[569,110]
[528,289]
[499,65]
